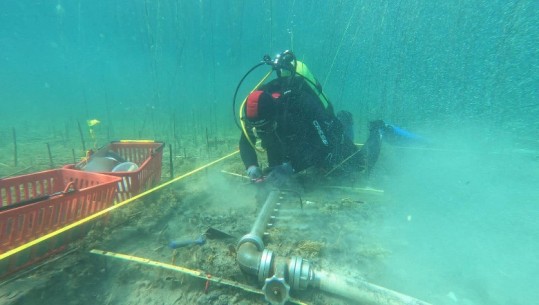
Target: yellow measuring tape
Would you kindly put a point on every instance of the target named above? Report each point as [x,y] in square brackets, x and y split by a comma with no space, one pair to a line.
[136,141]
[107,210]
[195,273]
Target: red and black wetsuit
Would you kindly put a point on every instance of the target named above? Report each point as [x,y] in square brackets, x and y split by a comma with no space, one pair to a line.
[306,134]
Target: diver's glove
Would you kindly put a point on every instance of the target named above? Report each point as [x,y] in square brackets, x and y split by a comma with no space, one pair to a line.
[280,175]
[254,172]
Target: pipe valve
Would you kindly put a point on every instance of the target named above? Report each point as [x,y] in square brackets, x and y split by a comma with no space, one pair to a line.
[276,290]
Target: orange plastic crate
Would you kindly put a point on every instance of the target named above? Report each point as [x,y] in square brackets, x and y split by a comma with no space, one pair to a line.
[148,155]
[65,196]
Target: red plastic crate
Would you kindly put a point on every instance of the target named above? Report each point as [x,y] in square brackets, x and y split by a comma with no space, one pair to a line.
[65,196]
[148,155]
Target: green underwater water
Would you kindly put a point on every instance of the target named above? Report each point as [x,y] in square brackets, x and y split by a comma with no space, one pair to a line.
[461,217]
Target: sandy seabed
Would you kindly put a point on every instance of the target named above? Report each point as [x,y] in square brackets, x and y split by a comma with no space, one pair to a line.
[320,220]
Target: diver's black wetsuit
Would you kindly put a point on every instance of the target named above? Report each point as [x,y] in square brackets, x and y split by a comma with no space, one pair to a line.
[306,134]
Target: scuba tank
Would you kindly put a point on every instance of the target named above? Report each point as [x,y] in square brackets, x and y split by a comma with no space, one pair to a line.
[302,70]
[285,65]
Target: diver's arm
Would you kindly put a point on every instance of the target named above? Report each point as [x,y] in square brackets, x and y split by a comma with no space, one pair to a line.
[247,152]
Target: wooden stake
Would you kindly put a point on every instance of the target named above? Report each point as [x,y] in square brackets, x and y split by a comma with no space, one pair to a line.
[195,129]
[171,163]
[207,142]
[50,155]
[82,138]
[74,156]
[174,136]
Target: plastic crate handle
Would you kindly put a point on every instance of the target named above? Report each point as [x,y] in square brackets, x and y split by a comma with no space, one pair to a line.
[70,188]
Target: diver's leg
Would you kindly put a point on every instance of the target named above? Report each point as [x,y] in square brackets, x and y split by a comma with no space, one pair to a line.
[368,155]
[346,157]
[347,122]
[371,148]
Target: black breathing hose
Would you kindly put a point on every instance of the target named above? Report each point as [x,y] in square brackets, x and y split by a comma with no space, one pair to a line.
[277,65]
[238,88]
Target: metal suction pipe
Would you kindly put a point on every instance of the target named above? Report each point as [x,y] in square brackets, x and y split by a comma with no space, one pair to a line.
[261,222]
[248,258]
[362,292]
[251,255]
[281,274]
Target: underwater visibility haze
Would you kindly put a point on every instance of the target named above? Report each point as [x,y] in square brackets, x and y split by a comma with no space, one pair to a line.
[459,219]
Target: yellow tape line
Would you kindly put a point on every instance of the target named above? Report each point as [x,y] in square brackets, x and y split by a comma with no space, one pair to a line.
[196,273]
[107,210]
[137,141]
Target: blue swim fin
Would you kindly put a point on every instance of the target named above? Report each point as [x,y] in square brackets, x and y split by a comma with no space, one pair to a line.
[397,135]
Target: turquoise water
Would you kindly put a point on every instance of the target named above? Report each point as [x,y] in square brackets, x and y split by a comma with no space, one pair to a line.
[462,223]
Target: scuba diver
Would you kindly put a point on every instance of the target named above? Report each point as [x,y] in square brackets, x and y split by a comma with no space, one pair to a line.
[298,128]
